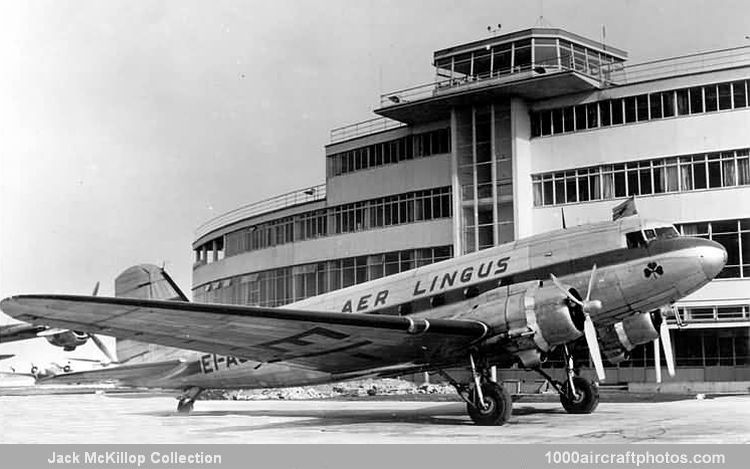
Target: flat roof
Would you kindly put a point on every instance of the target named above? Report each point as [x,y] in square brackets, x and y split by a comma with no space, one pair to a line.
[527,33]
[529,85]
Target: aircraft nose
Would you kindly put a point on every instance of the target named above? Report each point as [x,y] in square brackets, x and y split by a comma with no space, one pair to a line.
[713,259]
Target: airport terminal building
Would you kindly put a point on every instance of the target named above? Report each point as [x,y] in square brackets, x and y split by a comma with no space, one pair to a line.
[513,131]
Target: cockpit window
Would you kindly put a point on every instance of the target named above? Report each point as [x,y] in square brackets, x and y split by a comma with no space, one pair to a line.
[635,239]
[667,232]
[650,234]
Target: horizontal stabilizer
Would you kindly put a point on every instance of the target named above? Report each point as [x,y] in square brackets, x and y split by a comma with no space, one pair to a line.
[130,374]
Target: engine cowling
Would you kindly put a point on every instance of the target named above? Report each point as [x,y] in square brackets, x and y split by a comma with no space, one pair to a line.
[535,318]
[622,337]
[68,340]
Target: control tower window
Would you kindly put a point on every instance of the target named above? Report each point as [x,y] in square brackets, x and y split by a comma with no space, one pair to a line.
[522,59]
[502,60]
[545,52]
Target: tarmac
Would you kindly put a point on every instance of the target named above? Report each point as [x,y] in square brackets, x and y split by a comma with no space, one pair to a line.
[101,417]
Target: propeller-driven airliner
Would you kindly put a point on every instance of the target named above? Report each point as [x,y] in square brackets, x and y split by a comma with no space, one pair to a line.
[610,282]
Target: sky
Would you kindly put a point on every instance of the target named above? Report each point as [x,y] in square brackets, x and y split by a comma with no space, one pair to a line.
[125,125]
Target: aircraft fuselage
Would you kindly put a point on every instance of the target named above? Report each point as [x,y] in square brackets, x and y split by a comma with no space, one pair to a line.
[641,266]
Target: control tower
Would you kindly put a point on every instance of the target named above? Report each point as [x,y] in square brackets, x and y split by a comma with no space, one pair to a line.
[484,88]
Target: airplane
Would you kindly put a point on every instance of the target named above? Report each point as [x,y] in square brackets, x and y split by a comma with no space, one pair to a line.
[66,339]
[609,282]
[69,340]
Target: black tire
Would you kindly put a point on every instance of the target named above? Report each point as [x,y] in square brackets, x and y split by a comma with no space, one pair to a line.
[499,406]
[587,400]
[184,407]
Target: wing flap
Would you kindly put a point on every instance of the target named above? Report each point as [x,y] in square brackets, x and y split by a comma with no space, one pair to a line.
[324,341]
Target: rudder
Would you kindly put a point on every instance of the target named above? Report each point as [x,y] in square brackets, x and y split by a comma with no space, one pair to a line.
[148,282]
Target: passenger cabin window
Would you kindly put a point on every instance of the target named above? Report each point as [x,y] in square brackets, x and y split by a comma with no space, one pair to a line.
[635,240]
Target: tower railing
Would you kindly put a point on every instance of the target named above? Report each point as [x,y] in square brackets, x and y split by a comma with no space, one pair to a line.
[370,126]
[290,199]
[608,74]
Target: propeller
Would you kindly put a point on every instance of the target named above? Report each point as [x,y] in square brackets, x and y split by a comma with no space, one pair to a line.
[105,350]
[97,341]
[666,343]
[589,330]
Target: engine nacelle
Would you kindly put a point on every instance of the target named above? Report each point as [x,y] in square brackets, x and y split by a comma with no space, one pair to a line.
[622,337]
[535,318]
[68,340]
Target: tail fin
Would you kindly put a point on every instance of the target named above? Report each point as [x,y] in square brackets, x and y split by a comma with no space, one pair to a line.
[146,281]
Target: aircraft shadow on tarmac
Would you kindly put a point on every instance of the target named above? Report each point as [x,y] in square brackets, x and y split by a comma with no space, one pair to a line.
[446,414]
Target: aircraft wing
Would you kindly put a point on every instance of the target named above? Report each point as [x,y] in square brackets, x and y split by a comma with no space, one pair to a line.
[14,332]
[324,341]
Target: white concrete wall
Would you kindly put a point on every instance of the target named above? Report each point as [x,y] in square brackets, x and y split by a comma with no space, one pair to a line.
[406,176]
[523,200]
[665,84]
[674,136]
[723,291]
[681,207]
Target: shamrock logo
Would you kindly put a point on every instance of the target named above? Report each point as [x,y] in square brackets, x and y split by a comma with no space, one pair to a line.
[653,269]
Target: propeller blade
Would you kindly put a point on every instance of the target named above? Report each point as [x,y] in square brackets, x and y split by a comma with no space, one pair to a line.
[591,283]
[96,289]
[657,360]
[105,350]
[666,341]
[565,291]
[593,343]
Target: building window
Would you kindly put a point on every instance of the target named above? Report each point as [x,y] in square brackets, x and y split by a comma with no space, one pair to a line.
[581,118]
[734,235]
[656,107]
[391,152]
[630,109]
[696,100]
[656,176]
[277,287]
[604,113]
[739,94]
[399,209]
[568,119]
[640,108]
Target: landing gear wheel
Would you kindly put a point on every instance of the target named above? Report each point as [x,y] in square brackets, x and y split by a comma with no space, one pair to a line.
[186,401]
[498,405]
[185,407]
[585,400]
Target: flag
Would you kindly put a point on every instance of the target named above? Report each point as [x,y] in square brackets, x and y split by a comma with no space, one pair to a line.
[625,209]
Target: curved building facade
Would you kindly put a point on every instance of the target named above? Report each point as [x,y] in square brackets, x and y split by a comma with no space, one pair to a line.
[515,131]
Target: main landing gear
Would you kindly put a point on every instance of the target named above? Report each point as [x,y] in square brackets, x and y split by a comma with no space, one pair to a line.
[577,394]
[187,399]
[487,402]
